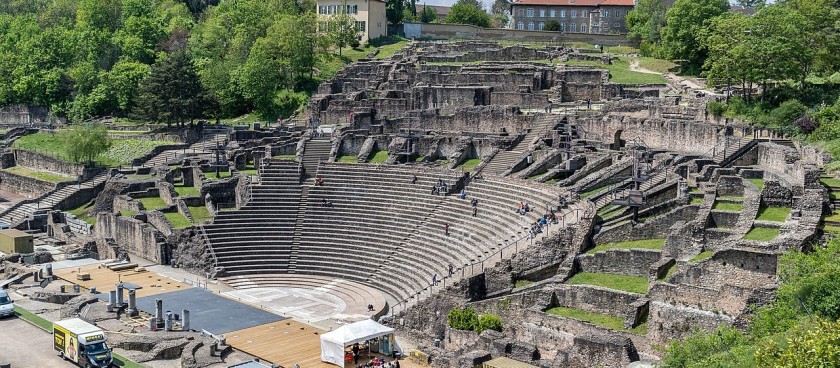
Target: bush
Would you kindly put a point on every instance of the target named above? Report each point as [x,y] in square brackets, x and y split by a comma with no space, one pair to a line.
[787,113]
[717,108]
[463,319]
[489,322]
[287,102]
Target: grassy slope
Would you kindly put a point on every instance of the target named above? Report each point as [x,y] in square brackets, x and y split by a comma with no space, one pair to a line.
[728,206]
[83,212]
[702,256]
[603,320]
[152,203]
[470,163]
[186,191]
[620,72]
[777,214]
[636,244]
[122,151]
[40,175]
[633,284]
[200,214]
[762,234]
[177,220]
[378,157]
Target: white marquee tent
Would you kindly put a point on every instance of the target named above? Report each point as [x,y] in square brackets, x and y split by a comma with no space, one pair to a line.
[333,342]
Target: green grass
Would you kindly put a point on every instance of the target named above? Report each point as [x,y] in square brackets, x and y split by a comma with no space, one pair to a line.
[122,151]
[36,320]
[620,72]
[83,213]
[758,182]
[635,244]
[762,234]
[535,176]
[656,65]
[223,174]
[698,200]
[128,213]
[121,361]
[671,271]
[285,157]
[551,181]
[833,217]
[330,65]
[593,192]
[40,175]
[621,50]
[830,228]
[152,203]
[704,255]
[186,191]
[200,214]
[830,182]
[521,283]
[378,157]
[728,206]
[603,320]
[141,176]
[633,284]
[177,220]
[777,214]
[347,159]
[470,163]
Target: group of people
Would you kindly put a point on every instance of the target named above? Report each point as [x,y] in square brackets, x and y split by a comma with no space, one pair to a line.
[524,208]
[545,220]
[440,188]
[379,362]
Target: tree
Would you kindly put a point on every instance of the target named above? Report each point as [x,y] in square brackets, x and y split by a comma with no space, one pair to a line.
[645,23]
[428,15]
[750,3]
[500,7]
[343,31]
[172,92]
[552,26]
[98,14]
[394,11]
[476,3]
[466,13]
[685,24]
[84,142]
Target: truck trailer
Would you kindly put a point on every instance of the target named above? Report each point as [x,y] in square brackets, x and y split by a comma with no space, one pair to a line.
[82,343]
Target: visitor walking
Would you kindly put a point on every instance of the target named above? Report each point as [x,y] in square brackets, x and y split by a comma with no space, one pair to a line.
[446,229]
[434,280]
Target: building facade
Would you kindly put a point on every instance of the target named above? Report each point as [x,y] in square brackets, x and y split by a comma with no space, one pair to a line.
[369,15]
[574,16]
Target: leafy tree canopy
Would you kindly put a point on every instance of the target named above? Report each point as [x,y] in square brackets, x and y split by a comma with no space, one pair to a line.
[468,13]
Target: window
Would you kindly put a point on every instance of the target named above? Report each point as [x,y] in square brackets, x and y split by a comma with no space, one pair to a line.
[606,13]
[562,13]
[540,26]
[553,13]
[617,25]
[530,12]
[574,13]
[562,27]
[542,13]
[520,26]
[583,28]
[572,27]
[352,9]
[530,26]
[322,9]
[360,26]
[618,13]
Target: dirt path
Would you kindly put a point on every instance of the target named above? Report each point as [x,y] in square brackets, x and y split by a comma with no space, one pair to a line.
[677,82]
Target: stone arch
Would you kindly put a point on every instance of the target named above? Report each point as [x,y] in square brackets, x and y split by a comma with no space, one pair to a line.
[617,141]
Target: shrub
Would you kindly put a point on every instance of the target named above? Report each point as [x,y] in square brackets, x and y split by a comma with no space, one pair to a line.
[489,322]
[717,108]
[787,113]
[463,319]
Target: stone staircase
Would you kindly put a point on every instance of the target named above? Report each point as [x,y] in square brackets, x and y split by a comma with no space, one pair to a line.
[622,189]
[299,226]
[315,151]
[24,209]
[505,159]
[201,148]
[732,149]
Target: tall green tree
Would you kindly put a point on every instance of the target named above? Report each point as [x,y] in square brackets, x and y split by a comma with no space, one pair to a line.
[84,142]
[172,93]
[428,15]
[343,32]
[98,14]
[685,23]
[466,13]
[394,11]
[645,23]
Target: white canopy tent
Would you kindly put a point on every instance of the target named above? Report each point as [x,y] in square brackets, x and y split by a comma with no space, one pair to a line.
[333,342]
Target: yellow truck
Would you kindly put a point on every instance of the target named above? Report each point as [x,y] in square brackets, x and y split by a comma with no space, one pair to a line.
[81,343]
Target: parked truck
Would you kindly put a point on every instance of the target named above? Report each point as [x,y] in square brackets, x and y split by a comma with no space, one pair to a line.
[82,343]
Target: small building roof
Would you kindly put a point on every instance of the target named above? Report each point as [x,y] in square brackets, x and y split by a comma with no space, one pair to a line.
[15,233]
[741,9]
[575,2]
[503,362]
[440,10]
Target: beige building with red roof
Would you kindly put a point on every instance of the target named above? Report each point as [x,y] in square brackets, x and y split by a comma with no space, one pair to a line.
[574,16]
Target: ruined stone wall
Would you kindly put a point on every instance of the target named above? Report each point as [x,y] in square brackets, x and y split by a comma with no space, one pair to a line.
[23,184]
[449,98]
[656,228]
[659,134]
[38,161]
[594,299]
[634,262]
[782,164]
[22,115]
[134,236]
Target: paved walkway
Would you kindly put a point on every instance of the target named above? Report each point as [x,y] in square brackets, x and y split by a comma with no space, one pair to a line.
[24,345]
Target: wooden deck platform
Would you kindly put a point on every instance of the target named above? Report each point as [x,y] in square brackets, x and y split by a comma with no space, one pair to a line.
[104,280]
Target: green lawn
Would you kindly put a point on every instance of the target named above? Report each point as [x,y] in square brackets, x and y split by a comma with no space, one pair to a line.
[83,213]
[833,217]
[378,157]
[249,170]
[635,244]
[777,214]
[728,206]
[285,157]
[223,174]
[186,191]
[177,220]
[347,159]
[620,72]
[830,182]
[762,234]
[40,175]
[633,284]
[593,192]
[152,203]
[698,200]
[656,65]
[702,256]
[758,182]
[141,176]
[671,271]
[200,214]
[128,213]
[521,283]
[470,163]
[330,65]
[122,151]
[603,320]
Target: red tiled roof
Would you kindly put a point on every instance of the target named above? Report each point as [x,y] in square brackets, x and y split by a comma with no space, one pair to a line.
[575,2]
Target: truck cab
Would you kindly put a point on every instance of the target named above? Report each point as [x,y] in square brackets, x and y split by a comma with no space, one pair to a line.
[82,343]
[7,307]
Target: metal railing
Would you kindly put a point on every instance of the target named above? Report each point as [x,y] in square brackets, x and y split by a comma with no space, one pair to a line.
[526,240]
[208,245]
